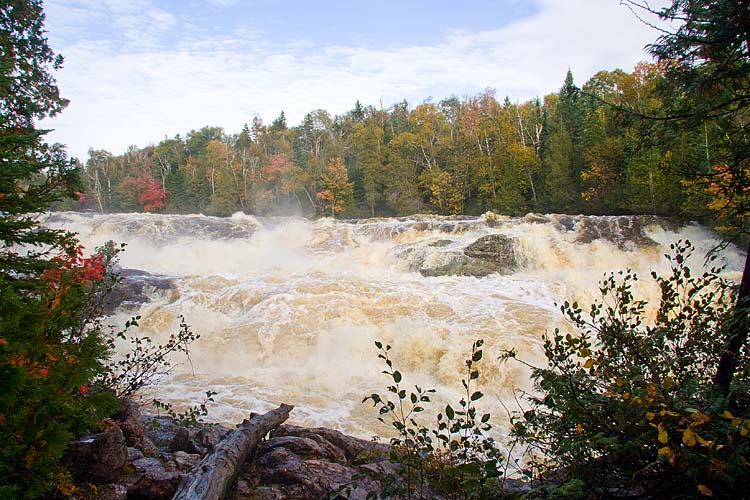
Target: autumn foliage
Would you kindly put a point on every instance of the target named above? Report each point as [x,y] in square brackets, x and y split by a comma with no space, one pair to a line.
[336,187]
[627,400]
[143,192]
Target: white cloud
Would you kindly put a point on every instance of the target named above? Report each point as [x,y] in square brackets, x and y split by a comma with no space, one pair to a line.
[141,92]
[222,3]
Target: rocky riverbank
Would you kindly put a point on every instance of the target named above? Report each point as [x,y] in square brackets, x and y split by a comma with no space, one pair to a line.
[147,457]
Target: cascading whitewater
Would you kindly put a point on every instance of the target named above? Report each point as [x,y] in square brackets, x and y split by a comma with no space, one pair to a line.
[288,309]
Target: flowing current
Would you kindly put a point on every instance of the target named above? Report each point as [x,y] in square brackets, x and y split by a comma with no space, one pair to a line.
[288,309]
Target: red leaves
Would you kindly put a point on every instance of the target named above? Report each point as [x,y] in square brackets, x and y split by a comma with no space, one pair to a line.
[73,268]
[146,191]
[276,167]
[152,196]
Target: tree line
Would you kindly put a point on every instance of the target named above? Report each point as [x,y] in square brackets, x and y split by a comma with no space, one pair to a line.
[580,150]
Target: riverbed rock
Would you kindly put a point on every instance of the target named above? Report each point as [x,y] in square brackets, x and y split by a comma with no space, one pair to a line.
[489,254]
[498,250]
[157,485]
[305,447]
[98,458]
[312,463]
[355,450]
[137,287]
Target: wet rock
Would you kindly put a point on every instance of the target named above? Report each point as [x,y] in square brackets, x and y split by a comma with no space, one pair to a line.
[155,486]
[181,442]
[440,243]
[497,249]
[135,288]
[623,231]
[98,458]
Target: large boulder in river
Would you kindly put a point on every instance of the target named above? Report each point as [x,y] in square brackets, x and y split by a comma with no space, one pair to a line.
[490,254]
[495,252]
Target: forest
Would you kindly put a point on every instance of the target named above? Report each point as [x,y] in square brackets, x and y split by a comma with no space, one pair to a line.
[580,150]
[638,400]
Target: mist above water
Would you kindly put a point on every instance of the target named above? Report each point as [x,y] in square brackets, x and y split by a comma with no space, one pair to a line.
[288,309]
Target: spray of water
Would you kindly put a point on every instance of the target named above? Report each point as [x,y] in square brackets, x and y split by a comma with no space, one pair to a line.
[288,309]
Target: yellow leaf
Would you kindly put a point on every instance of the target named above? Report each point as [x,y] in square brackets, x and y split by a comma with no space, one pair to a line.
[650,415]
[619,381]
[665,451]
[584,353]
[727,414]
[663,436]
[707,444]
[688,437]
[589,363]
[579,428]
[705,491]
[668,382]
[700,418]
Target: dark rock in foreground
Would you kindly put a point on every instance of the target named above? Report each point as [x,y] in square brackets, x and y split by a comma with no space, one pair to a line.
[293,463]
[98,458]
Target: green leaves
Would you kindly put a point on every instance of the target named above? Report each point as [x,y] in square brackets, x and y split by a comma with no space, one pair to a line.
[458,452]
[449,412]
[632,382]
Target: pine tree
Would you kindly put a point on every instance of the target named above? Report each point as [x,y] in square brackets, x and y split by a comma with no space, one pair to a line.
[48,352]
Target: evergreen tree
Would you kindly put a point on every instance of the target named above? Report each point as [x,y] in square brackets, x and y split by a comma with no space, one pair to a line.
[48,353]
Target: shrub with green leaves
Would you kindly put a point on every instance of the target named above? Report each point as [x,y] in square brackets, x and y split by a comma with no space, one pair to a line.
[627,403]
[457,457]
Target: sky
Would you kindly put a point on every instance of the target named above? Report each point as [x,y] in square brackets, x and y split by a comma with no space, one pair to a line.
[137,71]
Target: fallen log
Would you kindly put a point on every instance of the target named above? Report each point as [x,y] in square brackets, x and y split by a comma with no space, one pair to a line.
[215,474]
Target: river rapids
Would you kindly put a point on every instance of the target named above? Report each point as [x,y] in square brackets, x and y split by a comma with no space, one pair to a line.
[288,310]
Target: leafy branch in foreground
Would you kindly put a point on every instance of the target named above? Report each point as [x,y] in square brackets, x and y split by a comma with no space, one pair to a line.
[627,403]
[192,416]
[457,458]
[146,361]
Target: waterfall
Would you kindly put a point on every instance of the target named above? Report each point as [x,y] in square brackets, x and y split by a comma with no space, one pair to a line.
[288,309]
